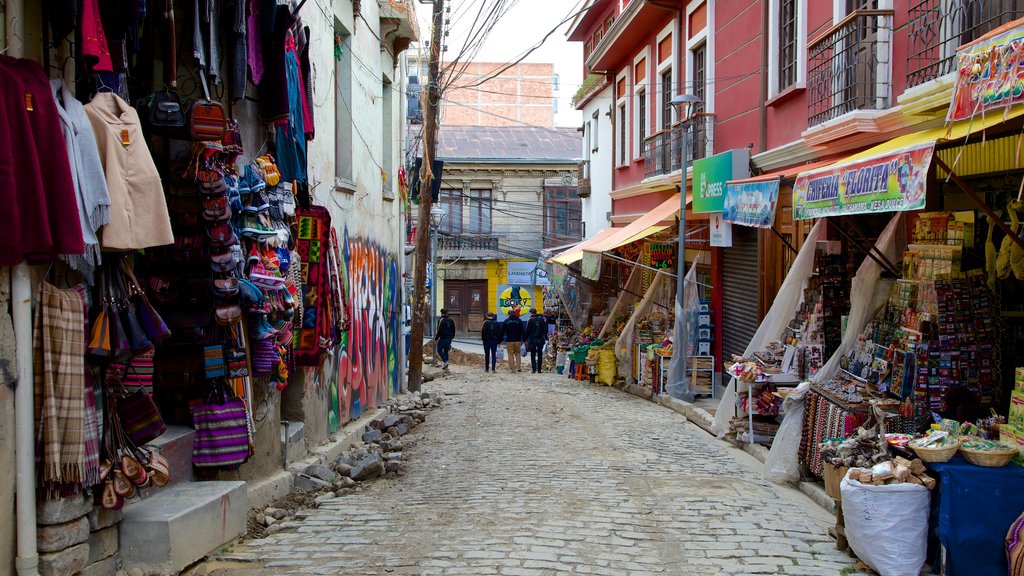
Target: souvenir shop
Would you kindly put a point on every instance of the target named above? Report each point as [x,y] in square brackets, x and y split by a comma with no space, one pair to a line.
[185,272]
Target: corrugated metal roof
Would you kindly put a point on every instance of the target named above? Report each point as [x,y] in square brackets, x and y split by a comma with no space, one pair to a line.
[512,143]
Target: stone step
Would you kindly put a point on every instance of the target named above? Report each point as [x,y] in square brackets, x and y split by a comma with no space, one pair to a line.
[293,441]
[180,525]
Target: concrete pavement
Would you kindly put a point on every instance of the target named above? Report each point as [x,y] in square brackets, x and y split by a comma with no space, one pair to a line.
[535,474]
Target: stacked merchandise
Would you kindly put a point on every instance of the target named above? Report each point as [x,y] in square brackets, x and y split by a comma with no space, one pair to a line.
[835,297]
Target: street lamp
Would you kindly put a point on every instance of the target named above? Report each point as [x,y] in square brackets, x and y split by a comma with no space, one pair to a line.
[437,214]
[677,376]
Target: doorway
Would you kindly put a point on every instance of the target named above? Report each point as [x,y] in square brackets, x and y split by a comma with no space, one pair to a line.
[466,301]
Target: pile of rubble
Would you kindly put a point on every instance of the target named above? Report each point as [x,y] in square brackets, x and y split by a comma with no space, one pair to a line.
[379,454]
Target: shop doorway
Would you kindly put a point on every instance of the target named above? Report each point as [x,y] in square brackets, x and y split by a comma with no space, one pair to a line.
[466,301]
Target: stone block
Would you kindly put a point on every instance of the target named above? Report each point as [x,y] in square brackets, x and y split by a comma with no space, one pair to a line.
[402,428]
[308,483]
[60,536]
[342,468]
[175,528]
[65,562]
[101,518]
[391,420]
[105,567]
[49,512]
[369,467]
[322,472]
[102,544]
[371,436]
[391,446]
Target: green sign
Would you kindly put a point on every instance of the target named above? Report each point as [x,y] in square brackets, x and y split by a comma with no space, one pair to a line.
[710,175]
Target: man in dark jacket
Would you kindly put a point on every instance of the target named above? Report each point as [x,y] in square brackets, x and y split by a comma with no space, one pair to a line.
[491,334]
[513,331]
[536,335]
[444,335]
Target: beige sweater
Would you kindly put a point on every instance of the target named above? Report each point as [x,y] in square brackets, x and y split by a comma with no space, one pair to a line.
[138,210]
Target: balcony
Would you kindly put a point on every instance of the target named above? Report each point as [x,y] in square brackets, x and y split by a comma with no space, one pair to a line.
[467,246]
[936,28]
[661,149]
[849,66]
[583,179]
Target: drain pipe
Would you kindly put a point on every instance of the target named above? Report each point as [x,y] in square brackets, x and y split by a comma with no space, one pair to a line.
[27,560]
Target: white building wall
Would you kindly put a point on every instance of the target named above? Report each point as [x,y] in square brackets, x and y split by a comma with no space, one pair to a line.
[598,131]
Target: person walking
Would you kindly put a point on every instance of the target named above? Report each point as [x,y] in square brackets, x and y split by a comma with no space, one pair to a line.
[444,335]
[536,335]
[491,334]
[513,330]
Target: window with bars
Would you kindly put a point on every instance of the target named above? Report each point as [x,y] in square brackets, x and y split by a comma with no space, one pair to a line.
[700,76]
[622,134]
[479,205]
[788,54]
[562,215]
[641,117]
[666,99]
[451,202]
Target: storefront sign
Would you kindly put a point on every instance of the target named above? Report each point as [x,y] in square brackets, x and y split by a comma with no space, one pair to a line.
[526,274]
[990,75]
[893,182]
[514,298]
[710,175]
[660,255]
[751,203]
[720,231]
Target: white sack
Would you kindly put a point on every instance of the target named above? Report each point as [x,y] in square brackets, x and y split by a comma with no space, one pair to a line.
[887,526]
[782,463]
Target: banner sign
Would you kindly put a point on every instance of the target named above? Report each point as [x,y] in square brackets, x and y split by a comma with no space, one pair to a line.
[892,182]
[751,203]
[710,175]
[990,75]
[720,231]
[660,255]
[526,274]
[514,298]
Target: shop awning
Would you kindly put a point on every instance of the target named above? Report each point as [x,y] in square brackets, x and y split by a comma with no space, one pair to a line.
[642,227]
[575,253]
[889,177]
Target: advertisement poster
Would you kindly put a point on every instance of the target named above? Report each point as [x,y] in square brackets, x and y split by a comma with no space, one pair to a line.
[660,255]
[710,175]
[514,297]
[526,274]
[720,231]
[892,182]
[751,203]
[990,75]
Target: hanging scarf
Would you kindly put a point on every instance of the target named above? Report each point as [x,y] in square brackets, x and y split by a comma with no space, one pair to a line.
[92,418]
[59,338]
[313,243]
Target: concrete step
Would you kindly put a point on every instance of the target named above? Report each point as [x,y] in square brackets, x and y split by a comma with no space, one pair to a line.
[171,530]
[293,442]
[176,445]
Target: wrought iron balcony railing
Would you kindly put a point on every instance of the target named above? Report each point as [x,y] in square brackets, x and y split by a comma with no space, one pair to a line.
[583,179]
[849,66]
[662,149]
[936,28]
[467,245]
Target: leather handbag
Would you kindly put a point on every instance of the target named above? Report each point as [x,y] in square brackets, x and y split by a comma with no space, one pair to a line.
[167,115]
[101,333]
[207,118]
[139,418]
[153,325]
[222,430]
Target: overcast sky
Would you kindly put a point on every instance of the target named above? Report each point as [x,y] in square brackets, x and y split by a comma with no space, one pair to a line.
[523,26]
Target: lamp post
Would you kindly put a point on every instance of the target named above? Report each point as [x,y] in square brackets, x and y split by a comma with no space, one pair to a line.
[678,377]
[437,214]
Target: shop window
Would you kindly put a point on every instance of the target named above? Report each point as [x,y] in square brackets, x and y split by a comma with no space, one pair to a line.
[343,174]
[563,211]
[787,38]
[479,205]
[787,43]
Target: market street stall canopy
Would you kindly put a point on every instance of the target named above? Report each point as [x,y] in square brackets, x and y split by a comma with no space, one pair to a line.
[889,177]
[575,253]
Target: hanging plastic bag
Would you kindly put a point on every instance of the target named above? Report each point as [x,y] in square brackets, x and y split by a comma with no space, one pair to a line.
[887,526]
[782,463]
[500,353]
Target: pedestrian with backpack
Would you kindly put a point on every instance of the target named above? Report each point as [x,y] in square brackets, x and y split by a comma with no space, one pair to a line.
[536,335]
[444,335]
[513,330]
[491,334]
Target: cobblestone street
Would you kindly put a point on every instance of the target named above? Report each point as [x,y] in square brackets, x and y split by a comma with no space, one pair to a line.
[535,475]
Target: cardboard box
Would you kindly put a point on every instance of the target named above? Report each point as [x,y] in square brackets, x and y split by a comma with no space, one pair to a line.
[833,476]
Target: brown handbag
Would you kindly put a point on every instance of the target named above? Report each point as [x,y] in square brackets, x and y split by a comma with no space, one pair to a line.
[207,119]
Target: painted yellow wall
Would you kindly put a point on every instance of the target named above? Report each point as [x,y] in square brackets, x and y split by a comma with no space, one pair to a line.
[497,274]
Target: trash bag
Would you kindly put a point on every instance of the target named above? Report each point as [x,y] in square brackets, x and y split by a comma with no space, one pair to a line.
[887,526]
[782,463]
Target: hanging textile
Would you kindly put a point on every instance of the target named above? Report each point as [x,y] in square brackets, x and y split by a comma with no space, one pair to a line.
[87,176]
[291,134]
[312,244]
[59,357]
[95,51]
[39,219]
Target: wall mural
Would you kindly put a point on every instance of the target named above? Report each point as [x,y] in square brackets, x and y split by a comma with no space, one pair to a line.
[368,353]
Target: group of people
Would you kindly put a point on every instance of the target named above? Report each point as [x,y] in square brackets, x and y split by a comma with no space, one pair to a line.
[512,331]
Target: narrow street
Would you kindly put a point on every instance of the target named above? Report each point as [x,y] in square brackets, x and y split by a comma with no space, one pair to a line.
[535,474]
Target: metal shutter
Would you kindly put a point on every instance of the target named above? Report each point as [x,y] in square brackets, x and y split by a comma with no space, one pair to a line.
[740,272]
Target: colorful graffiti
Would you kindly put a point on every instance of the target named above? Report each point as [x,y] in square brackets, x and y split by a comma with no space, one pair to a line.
[368,352]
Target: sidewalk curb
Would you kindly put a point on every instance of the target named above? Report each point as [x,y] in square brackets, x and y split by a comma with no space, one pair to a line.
[349,435]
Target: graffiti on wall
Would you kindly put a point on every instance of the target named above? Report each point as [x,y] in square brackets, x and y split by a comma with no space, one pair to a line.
[368,352]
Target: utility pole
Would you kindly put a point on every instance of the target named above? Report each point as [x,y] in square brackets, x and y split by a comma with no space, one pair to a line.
[430,113]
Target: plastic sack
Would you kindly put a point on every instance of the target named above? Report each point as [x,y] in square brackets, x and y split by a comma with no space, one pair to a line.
[783,463]
[887,526]
[606,367]
[500,353]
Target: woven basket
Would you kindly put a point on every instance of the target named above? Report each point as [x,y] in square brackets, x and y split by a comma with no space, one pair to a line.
[989,458]
[939,454]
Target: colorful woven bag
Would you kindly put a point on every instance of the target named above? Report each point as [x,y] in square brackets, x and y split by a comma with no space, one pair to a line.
[222,432]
